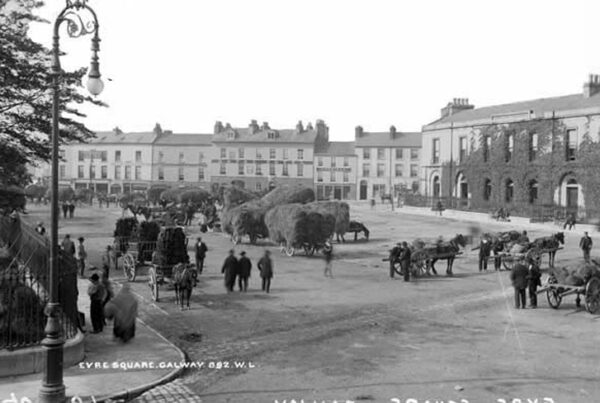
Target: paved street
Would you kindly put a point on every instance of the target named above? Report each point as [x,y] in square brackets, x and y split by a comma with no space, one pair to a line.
[364,336]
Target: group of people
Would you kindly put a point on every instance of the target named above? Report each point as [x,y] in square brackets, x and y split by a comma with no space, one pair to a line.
[240,269]
[68,208]
[526,277]
[78,252]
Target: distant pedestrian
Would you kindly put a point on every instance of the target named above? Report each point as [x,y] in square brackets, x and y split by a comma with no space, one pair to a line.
[405,260]
[123,310]
[201,250]
[372,203]
[107,261]
[68,245]
[80,256]
[533,281]
[65,209]
[518,277]
[71,208]
[570,221]
[328,252]
[244,269]
[230,266]
[586,246]
[265,265]
[97,295]
[40,228]
[484,254]
[440,207]
[497,256]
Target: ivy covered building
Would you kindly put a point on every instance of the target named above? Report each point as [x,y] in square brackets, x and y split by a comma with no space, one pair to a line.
[525,156]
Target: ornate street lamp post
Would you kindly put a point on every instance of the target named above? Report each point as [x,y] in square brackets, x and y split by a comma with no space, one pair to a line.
[53,388]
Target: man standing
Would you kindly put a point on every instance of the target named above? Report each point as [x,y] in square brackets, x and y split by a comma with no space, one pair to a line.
[533,281]
[65,209]
[80,255]
[518,277]
[328,252]
[484,254]
[68,245]
[107,261]
[71,208]
[265,265]
[586,246]
[497,259]
[200,255]
[230,270]
[405,258]
[244,268]
[97,295]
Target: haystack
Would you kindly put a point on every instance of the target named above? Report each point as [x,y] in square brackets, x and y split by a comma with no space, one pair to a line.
[234,196]
[196,196]
[296,224]
[576,276]
[340,210]
[288,194]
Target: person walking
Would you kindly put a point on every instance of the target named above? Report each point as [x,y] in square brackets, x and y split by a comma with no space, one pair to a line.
[230,266]
[440,207]
[65,209]
[71,208]
[80,256]
[97,295]
[122,309]
[484,254]
[244,268]
[497,259]
[405,259]
[201,250]
[265,266]
[570,221]
[533,281]
[68,245]
[328,252]
[40,228]
[107,261]
[518,277]
[586,246]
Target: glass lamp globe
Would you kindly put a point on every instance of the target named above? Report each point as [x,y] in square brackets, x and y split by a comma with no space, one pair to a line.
[94,85]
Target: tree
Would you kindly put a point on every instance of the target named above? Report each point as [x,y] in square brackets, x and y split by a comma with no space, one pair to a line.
[26,96]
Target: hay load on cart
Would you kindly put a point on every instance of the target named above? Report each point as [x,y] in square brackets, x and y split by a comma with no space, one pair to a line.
[134,242]
[581,280]
[171,250]
[341,212]
[297,226]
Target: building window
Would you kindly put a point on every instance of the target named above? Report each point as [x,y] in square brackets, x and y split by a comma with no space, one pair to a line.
[258,186]
[571,144]
[259,169]
[381,153]
[240,168]
[346,162]
[487,146]
[128,172]
[285,169]
[103,172]
[487,190]
[414,153]
[366,153]
[232,154]
[399,153]
[80,155]
[161,156]
[138,172]
[200,156]
[241,153]
[259,154]
[118,172]
[319,176]
[250,169]
[510,147]
[333,162]
[181,158]
[223,153]
[533,191]
[380,170]
[366,171]
[161,174]
[272,168]
[80,171]
[181,175]
[414,170]
[299,170]
[435,147]
[509,191]
[462,152]
[332,176]
[92,171]
[61,171]
[138,156]
[346,177]
[103,156]
[223,169]
[320,161]
[285,153]
[272,154]
[533,146]
[399,172]
[117,156]
[300,154]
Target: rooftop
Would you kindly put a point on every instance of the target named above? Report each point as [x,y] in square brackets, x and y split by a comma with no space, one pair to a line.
[387,139]
[184,139]
[337,148]
[114,137]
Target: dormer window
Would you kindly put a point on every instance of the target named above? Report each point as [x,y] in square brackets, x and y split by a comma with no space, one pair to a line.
[270,135]
[231,135]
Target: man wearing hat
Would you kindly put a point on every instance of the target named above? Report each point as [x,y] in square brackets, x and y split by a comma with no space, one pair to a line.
[97,295]
[200,255]
[265,265]
[230,266]
[80,255]
[106,261]
[40,228]
[405,259]
[244,267]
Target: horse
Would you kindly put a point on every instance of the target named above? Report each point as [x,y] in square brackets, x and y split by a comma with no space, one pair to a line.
[185,278]
[356,227]
[552,242]
[428,252]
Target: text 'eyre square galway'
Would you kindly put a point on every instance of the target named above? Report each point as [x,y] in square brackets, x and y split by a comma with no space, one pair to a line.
[299,201]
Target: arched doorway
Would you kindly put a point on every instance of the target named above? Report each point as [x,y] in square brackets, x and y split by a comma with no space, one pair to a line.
[363,190]
[572,194]
[487,189]
[462,187]
[435,186]
[509,191]
[533,187]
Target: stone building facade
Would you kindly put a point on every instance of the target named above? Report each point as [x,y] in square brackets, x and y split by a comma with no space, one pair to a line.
[335,171]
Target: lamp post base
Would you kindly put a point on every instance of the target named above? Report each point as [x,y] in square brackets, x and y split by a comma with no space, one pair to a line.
[52,394]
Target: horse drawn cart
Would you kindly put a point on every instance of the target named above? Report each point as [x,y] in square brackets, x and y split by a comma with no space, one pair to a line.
[557,287]
[513,247]
[171,252]
[135,253]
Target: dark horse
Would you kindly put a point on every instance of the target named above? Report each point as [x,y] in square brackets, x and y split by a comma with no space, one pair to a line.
[184,279]
[356,227]
[441,251]
[550,242]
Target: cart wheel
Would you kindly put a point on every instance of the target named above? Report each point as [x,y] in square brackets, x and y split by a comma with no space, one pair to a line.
[309,250]
[397,267]
[554,298]
[420,267]
[508,262]
[153,283]
[129,267]
[289,250]
[592,295]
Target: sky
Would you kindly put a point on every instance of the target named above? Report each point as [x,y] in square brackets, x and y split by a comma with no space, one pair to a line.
[188,63]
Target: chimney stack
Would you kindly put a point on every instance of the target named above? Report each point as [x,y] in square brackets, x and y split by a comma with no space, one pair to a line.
[218,127]
[299,127]
[227,126]
[457,105]
[358,131]
[157,129]
[253,127]
[322,129]
[265,126]
[592,87]
[117,130]
[309,126]
[392,132]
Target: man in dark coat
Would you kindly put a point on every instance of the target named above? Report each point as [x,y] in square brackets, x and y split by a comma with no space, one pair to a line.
[65,209]
[265,265]
[586,246]
[518,277]
[244,268]
[68,245]
[533,281]
[405,257]
[97,294]
[71,208]
[497,259]
[200,255]
[230,270]
[484,253]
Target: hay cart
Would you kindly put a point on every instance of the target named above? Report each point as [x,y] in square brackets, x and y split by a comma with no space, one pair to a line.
[135,253]
[419,259]
[161,267]
[555,292]
[510,259]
